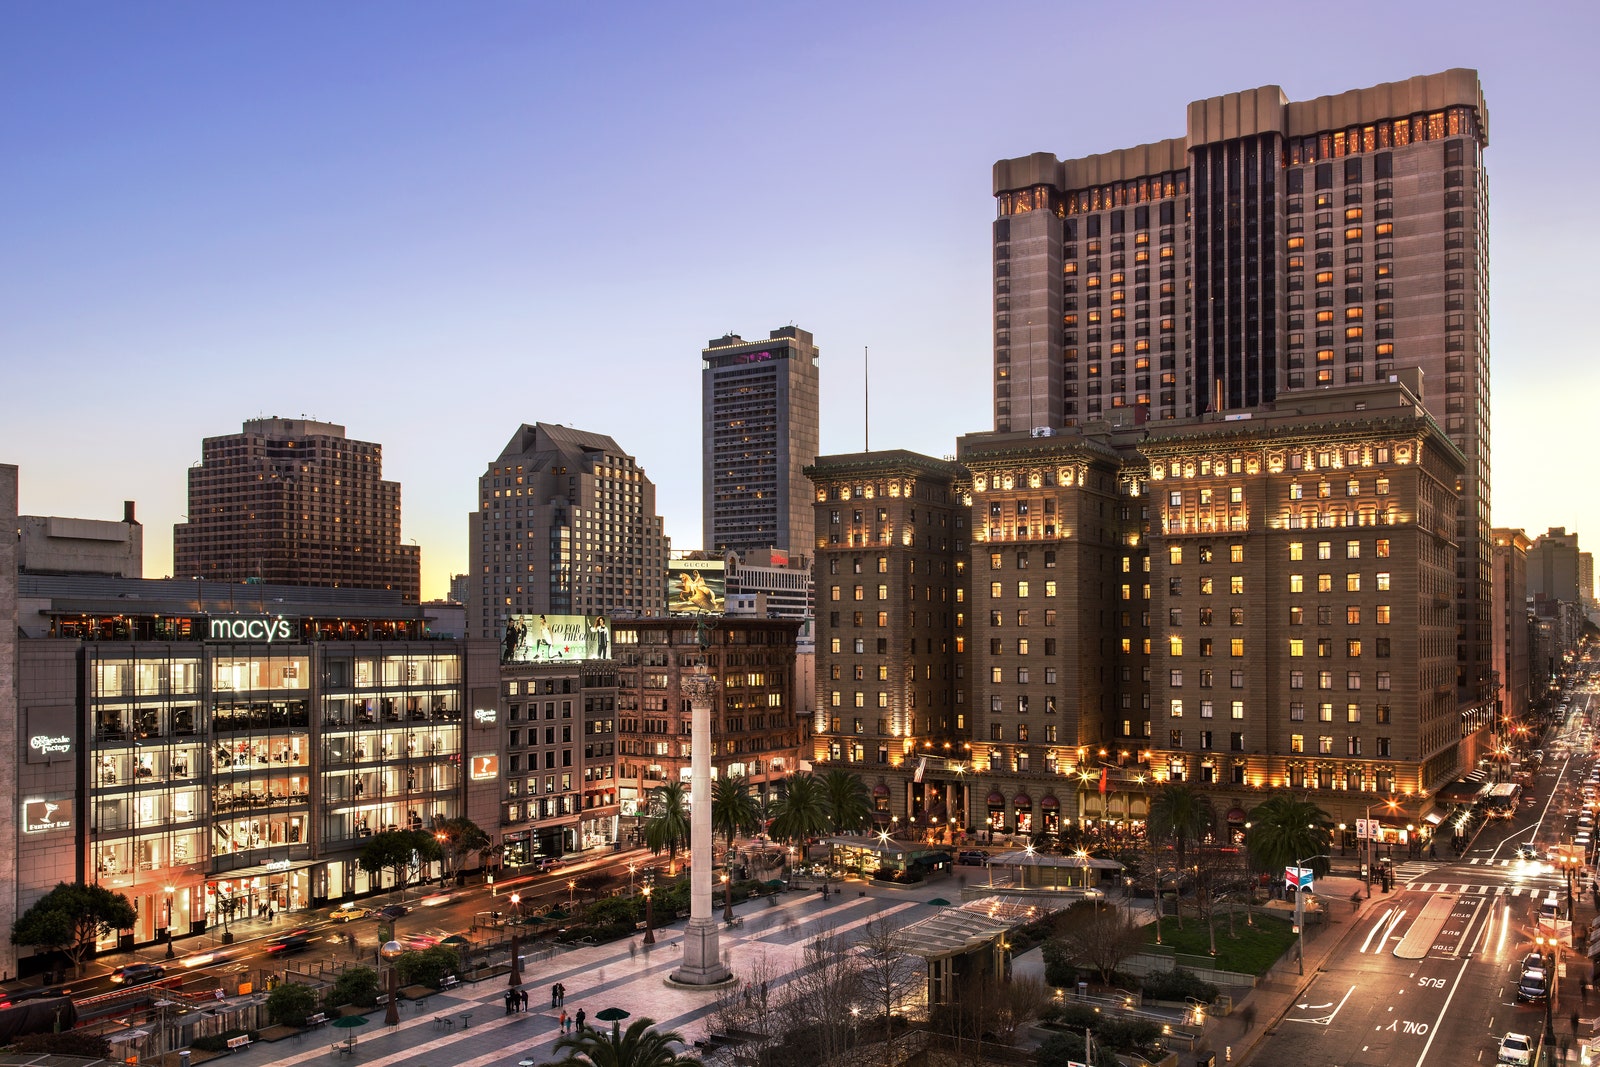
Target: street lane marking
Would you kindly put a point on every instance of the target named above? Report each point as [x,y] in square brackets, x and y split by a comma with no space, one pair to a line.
[1325,1020]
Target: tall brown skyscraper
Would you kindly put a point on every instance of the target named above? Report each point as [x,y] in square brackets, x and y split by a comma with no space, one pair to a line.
[295,502]
[1278,245]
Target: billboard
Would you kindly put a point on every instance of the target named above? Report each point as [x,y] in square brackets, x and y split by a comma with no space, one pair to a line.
[556,638]
[696,586]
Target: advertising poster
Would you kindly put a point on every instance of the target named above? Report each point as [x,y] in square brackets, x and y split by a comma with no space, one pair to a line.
[556,638]
[696,586]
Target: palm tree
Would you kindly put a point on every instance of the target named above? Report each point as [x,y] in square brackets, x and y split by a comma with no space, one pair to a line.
[733,809]
[1284,829]
[849,804]
[1179,813]
[802,811]
[639,1046]
[668,827]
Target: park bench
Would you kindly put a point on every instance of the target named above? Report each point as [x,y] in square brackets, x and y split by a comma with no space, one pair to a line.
[237,1043]
[449,981]
[314,1021]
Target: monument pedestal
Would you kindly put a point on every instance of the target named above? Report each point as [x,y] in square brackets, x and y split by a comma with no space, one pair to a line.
[702,956]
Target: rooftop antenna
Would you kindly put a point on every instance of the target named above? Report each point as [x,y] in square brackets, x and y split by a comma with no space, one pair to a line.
[866,398]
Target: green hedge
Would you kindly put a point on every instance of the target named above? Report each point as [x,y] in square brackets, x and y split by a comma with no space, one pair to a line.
[1178,984]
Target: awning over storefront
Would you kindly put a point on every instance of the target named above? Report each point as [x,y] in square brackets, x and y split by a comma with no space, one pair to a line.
[1022,800]
[1049,803]
[880,790]
[261,870]
[997,799]
[1236,815]
[1464,791]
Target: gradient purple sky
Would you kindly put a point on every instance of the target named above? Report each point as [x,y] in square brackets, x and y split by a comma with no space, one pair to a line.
[434,222]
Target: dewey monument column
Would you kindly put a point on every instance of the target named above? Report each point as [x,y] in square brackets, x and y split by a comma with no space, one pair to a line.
[702,955]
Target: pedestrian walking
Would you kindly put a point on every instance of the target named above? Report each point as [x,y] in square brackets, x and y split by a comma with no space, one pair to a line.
[511,1000]
[566,1023]
[581,1016]
[633,950]
[555,994]
[524,997]
[561,991]
[1574,1022]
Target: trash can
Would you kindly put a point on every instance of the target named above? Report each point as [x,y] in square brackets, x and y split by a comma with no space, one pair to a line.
[1206,1059]
[1083,990]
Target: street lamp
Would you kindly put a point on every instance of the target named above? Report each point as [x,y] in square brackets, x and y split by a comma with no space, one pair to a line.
[1549,987]
[649,916]
[1299,909]
[516,930]
[632,867]
[572,890]
[727,897]
[1372,859]
[391,952]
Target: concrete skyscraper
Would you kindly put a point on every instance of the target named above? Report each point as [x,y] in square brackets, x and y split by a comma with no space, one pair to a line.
[1275,246]
[295,502]
[758,431]
[566,524]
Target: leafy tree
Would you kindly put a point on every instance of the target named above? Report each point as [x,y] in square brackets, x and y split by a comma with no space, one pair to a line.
[733,809]
[1181,814]
[427,967]
[640,1045]
[591,884]
[802,811]
[849,803]
[290,1003]
[1284,829]
[71,918]
[667,829]
[1092,937]
[459,838]
[357,985]
[401,852]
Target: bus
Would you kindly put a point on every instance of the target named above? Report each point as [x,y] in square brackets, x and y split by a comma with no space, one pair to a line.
[1501,803]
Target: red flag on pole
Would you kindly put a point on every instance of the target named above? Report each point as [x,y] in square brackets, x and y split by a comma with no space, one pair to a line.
[1105,778]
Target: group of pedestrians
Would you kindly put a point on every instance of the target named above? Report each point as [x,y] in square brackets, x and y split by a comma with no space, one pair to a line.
[516,1001]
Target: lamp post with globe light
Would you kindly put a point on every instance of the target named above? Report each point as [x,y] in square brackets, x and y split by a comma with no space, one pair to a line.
[649,913]
[391,952]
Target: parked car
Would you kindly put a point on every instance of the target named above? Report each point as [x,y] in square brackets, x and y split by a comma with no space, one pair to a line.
[973,858]
[134,973]
[392,911]
[348,912]
[1533,985]
[1516,1049]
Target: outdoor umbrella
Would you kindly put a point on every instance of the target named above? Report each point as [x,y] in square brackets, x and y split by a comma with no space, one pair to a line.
[349,1022]
[939,902]
[614,1016]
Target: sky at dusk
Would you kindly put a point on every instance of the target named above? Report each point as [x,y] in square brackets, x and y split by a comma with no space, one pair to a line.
[433,222]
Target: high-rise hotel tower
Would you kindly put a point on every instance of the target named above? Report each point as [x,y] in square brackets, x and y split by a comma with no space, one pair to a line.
[1277,245]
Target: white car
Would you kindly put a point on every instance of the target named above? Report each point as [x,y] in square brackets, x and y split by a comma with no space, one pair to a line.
[1516,1049]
